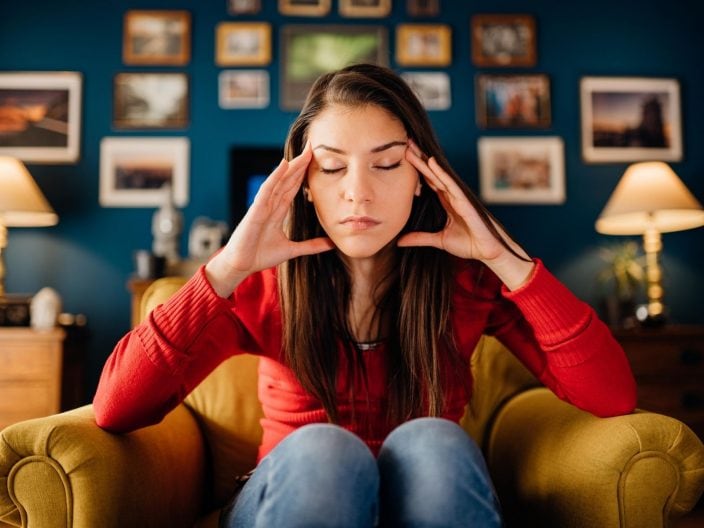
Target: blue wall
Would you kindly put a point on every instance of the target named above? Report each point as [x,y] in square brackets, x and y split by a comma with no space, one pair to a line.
[88,256]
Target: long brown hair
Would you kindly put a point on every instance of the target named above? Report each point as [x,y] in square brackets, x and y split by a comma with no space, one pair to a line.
[415,301]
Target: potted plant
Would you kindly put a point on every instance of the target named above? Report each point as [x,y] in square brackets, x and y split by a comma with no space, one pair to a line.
[622,279]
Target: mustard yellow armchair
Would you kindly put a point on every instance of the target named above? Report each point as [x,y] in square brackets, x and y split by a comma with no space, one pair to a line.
[553,464]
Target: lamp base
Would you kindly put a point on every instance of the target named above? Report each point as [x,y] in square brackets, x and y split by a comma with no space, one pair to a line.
[648,319]
[14,310]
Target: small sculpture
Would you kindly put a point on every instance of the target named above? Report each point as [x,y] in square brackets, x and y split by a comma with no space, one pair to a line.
[167,225]
[45,309]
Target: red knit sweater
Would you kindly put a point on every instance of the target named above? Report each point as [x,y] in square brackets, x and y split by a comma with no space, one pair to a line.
[558,337]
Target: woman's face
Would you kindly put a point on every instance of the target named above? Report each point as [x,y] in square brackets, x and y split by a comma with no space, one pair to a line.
[359,180]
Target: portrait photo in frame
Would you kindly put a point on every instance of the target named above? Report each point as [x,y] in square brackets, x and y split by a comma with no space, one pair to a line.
[40,116]
[308,51]
[432,88]
[133,170]
[503,40]
[243,44]
[424,45]
[513,101]
[150,100]
[364,8]
[243,89]
[522,170]
[243,7]
[306,8]
[156,38]
[627,119]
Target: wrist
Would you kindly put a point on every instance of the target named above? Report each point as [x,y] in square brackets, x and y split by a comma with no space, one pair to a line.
[222,277]
[513,271]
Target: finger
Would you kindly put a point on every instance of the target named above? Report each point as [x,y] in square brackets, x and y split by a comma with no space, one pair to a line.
[269,184]
[421,239]
[447,181]
[424,169]
[312,246]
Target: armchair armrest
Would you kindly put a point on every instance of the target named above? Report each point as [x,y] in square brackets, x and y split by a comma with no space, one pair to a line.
[64,470]
[558,466]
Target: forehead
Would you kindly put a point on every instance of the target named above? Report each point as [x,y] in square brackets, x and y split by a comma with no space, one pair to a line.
[363,126]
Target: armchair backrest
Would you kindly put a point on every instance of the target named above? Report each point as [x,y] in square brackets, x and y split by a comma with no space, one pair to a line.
[228,409]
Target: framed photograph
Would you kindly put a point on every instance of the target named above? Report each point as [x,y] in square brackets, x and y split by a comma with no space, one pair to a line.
[157,38]
[243,7]
[307,8]
[133,170]
[243,89]
[40,116]
[243,44]
[503,40]
[432,88]
[307,51]
[365,8]
[150,100]
[630,119]
[423,45]
[522,170]
[513,101]
[423,8]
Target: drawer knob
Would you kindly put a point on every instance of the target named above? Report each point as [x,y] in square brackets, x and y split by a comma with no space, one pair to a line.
[691,356]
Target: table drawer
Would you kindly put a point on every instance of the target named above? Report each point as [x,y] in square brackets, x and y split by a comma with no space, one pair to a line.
[665,361]
[29,398]
[25,362]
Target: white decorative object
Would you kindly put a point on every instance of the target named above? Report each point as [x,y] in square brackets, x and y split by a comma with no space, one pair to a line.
[45,309]
[167,225]
[205,238]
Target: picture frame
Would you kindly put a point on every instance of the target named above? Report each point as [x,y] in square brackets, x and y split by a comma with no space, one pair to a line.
[424,45]
[513,101]
[40,116]
[505,40]
[306,8]
[243,44]
[522,170]
[423,8]
[156,37]
[243,89]
[364,8]
[307,51]
[626,119]
[243,7]
[133,171]
[431,87]
[150,100]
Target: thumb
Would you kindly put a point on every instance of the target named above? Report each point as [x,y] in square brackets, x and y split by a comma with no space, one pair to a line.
[312,246]
[420,238]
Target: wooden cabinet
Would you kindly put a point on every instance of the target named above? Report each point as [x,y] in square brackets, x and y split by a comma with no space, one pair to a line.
[30,373]
[668,364]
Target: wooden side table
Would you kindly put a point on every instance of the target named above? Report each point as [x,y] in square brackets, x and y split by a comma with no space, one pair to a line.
[30,373]
[668,364]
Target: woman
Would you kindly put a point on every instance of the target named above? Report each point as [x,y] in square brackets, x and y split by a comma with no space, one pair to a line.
[364,274]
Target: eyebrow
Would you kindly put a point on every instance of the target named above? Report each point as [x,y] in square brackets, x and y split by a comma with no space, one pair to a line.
[380,148]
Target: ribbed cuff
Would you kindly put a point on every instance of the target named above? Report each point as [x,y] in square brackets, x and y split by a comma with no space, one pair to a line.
[184,316]
[552,310]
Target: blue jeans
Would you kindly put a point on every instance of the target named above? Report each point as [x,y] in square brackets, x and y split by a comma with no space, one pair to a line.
[429,473]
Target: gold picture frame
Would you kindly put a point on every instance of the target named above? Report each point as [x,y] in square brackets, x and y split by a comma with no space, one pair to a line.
[503,40]
[364,8]
[423,45]
[243,44]
[305,8]
[156,37]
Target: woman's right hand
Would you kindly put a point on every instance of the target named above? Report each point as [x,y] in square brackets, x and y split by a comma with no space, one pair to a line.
[259,241]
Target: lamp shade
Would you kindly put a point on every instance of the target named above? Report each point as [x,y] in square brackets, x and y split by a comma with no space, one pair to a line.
[650,195]
[22,203]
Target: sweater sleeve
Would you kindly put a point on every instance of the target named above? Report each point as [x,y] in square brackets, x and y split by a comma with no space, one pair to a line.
[564,343]
[157,364]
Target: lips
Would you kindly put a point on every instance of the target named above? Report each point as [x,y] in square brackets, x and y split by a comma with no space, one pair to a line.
[360,223]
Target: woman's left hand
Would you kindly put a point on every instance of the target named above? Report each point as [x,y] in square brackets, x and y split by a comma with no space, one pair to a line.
[465,234]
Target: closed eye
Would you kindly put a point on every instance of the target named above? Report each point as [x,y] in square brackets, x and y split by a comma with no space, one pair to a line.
[389,167]
[330,171]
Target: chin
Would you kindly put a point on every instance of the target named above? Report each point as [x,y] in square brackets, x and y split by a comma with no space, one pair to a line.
[363,249]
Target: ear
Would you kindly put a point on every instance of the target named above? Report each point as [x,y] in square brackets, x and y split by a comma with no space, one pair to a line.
[419,186]
[306,194]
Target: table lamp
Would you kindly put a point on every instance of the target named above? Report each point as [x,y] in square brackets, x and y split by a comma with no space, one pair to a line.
[650,199]
[22,204]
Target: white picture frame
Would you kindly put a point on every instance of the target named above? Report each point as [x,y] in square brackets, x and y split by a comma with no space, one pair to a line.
[522,170]
[243,89]
[43,116]
[615,128]
[133,171]
[431,87]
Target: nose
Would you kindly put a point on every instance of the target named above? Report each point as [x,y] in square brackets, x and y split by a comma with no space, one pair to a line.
[356,185]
